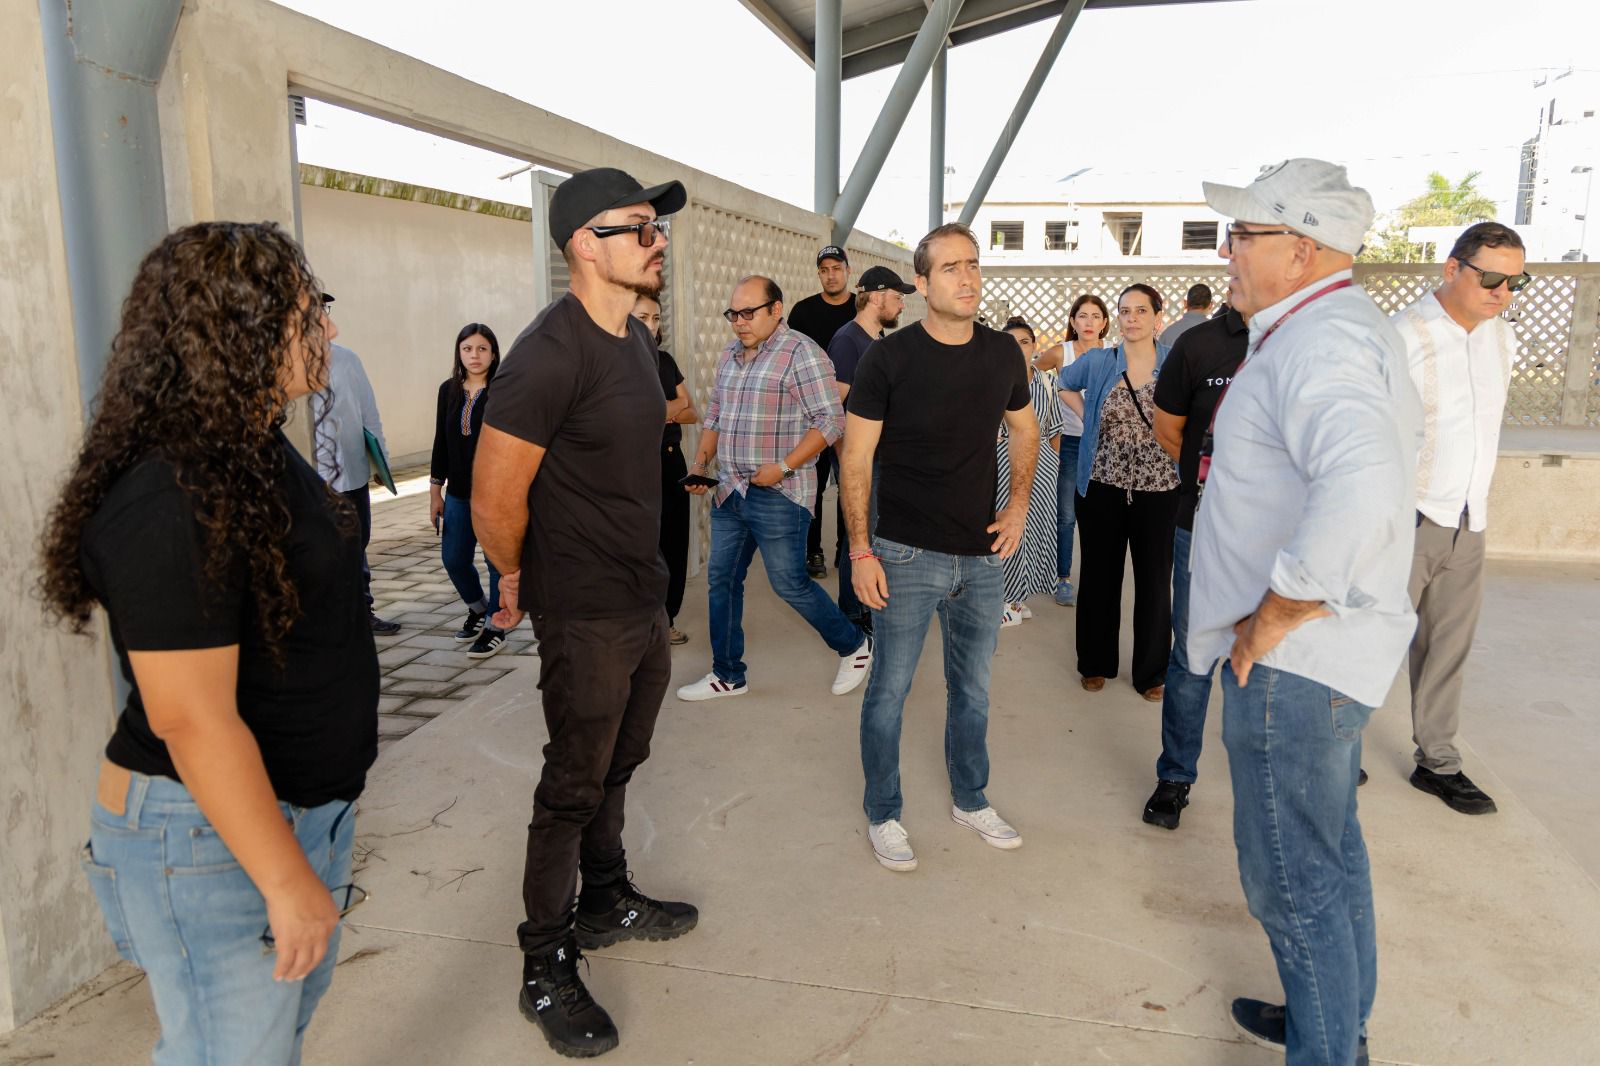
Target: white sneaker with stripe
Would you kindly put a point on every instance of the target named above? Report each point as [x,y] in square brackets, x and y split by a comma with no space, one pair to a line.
[711,687]
[853,668]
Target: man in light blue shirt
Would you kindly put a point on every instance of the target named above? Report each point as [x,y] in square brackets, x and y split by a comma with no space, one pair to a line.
[1197,309]
[1302,552]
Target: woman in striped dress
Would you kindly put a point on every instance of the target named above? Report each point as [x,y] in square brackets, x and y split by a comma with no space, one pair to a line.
[1032,568]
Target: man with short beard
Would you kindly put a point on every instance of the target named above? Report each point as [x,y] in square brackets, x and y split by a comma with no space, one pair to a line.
[820,316]
[566,501]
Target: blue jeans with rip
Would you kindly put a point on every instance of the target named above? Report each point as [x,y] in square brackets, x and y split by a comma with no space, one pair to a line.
[458,546]
[1183,707]
[1066,505]
[966,592]
[1294,752]
[767,520]
[180,907]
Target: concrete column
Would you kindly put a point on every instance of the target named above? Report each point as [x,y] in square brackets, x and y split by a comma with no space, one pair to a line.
[1581,341]
[827,58]
[941,71]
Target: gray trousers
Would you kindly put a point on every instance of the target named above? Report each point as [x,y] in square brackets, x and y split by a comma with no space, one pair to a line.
[1447,592]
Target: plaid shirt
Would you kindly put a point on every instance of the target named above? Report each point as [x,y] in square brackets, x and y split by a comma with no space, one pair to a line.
[763,405]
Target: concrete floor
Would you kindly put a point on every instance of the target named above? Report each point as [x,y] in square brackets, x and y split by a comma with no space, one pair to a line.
[1101,940]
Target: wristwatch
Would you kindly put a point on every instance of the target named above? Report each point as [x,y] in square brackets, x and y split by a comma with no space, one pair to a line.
[788,471]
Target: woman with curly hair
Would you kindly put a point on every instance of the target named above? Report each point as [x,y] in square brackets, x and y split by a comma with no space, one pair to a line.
[220,839]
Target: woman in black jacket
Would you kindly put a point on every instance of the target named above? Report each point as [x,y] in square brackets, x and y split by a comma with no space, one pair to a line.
[674,500]
[462,400]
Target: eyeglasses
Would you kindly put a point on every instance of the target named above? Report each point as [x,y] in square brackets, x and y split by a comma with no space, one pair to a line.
[1493,279]
[646,230]
[748,313]
[1235,233]
[349,897]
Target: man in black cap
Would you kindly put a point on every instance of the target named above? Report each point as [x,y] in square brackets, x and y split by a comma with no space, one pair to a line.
[566,501]
[819,316]
[880,299]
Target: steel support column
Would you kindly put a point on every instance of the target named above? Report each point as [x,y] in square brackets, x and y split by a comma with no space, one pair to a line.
[941,65]
[896,106]
[828,58]
[1019,113]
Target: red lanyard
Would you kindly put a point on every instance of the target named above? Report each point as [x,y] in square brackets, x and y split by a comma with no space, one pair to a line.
[1206,445]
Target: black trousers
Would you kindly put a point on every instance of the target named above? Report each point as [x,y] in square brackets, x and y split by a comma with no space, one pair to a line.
[1109,528]
[674,526]
[602,680]
[362,500]
[827,462]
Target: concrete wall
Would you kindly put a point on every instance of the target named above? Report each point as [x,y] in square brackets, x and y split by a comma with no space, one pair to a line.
[55,689]
[407,276]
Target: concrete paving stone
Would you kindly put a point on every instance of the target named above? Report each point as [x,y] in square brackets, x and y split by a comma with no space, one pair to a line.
[389,704]
[431,708]
[455,656]
[435,641]
[425,672]
[411,604]
[483,675]
[420,618]
[416,687]
[442,599]
[397,725]
[397,655]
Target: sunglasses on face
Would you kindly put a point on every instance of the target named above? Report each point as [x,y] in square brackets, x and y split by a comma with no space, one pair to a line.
[646,230]
[1493,279]
[747,314]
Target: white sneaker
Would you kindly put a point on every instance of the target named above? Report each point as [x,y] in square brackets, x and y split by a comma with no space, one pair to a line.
[853,668]
[1024,610]
[1009,618]
[988,824]
[711,687]
[890,844]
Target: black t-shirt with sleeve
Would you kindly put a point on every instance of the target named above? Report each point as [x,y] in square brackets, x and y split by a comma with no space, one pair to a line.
[941,406]
[820,320]
[671,378]
[849,344]
[593,402]
[316,717]
[453,450]
[1198,368]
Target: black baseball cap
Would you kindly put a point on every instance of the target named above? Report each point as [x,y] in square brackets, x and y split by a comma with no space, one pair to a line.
[590,192]
[878,278]
[832,251]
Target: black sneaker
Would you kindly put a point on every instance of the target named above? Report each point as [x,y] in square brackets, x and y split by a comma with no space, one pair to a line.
[1457,791]
[471,627]
[633,916]
[816,565]
[1362,779]
[488,643]
[554,998]
[1166,804]
[382,626]
[1267,1025]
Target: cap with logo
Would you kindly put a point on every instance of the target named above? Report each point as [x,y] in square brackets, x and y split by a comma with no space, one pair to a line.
[879,278]
[1309,196]
[592,192]
[832,251]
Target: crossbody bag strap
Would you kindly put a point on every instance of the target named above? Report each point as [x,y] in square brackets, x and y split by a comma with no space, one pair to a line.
[1136,405]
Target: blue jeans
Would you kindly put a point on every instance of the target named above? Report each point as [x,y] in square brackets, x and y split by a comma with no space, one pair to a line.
[458,546]
[180,908]
[1066,505]
[1294,752]
[966,591]
[1183,708]
[768,520]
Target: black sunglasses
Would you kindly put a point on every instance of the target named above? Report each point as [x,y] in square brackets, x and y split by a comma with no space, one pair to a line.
[1493,279]
[749,313]
[646,230]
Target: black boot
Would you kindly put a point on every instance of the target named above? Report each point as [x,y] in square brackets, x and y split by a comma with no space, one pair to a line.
[607,916]
[554,998]
[1166,804]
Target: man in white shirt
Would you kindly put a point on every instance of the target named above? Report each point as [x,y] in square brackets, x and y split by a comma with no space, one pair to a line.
[1460,352]
[1302,547]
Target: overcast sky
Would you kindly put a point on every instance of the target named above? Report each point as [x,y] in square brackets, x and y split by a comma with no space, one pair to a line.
[1392,88]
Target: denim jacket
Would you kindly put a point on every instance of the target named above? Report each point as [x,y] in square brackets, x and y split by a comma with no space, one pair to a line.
[1094,374]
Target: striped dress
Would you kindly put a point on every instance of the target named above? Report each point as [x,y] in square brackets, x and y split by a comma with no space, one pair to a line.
[1032,568]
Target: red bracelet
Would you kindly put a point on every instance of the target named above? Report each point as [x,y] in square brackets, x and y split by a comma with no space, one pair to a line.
[865,553]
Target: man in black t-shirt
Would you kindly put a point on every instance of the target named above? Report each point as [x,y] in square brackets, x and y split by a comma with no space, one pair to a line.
[1192,380]
[566,500]
[928,403]
[819,316]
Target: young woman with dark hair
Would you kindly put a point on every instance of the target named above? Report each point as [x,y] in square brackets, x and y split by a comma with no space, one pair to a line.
[220,839]
[462,400]
[1031,568]
[1127,499]
[674,500]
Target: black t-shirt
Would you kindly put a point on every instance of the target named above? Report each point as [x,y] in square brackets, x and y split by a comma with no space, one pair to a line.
[671,378]
[316,718]
[1197,369]
[849,344]
[453,450]
[593,402]
[941,407]
[820,320]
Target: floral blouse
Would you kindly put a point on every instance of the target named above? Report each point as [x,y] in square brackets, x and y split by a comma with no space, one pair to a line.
[1128,456]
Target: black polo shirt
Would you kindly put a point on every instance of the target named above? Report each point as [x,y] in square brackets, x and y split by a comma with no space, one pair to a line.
[1197,369]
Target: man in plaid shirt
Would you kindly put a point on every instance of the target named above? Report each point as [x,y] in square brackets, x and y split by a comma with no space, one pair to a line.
[774,408]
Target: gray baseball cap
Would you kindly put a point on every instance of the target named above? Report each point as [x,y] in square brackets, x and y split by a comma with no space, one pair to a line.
[1309,196]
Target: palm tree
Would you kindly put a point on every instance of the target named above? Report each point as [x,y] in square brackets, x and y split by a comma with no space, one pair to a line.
[1443,204]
